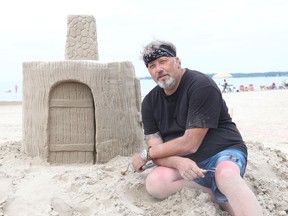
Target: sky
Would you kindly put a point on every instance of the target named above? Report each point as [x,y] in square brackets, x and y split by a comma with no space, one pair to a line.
[231,36]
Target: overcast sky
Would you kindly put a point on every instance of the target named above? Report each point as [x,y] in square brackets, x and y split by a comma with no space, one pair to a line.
[235,36]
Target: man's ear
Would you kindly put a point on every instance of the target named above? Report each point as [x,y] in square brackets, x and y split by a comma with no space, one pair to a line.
[178,61]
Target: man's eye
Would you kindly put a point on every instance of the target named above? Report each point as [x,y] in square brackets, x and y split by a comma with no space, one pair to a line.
[152,66]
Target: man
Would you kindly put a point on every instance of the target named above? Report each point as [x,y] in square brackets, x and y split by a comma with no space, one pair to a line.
[225,85]
[188,131]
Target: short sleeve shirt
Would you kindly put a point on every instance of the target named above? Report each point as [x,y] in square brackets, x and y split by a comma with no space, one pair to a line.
[197,103]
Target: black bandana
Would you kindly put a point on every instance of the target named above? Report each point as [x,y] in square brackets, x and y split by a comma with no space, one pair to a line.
[163,50]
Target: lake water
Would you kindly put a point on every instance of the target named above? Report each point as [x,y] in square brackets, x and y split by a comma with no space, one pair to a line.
[148,84]
[8,93]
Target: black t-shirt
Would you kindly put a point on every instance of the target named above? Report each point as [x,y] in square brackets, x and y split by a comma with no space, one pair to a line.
[197,103]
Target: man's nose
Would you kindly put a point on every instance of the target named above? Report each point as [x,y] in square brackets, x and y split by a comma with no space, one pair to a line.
[159,68]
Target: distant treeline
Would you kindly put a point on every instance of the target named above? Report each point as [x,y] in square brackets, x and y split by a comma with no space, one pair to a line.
[256,74]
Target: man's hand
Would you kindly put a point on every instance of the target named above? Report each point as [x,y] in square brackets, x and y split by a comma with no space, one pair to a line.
[188,169]
[138,162]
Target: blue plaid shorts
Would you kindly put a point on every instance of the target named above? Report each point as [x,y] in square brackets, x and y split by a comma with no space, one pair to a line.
[234,155]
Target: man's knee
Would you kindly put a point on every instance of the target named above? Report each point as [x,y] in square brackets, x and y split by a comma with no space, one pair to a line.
[155,186]
[226,173]
[160,182]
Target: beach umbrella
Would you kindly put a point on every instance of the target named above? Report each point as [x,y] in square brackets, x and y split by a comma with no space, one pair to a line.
[222,75]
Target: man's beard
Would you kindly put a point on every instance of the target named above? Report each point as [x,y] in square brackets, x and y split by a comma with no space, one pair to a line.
[167,84]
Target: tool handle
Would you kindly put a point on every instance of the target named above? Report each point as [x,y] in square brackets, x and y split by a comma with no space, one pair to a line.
[148,165]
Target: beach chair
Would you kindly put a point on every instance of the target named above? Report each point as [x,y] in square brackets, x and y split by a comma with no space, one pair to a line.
[241,88]
[251,87]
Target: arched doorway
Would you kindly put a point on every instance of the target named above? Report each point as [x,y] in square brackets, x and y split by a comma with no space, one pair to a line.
[71,128]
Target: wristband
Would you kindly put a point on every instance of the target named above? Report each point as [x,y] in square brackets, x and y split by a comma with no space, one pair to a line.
[148,153]
[144,154]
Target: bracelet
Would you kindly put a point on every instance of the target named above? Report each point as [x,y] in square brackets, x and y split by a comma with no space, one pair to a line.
[144,154]
[148,154]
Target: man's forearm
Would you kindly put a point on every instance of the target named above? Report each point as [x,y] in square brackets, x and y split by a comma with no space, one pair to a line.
[154,140]
[186,144]
[168,161]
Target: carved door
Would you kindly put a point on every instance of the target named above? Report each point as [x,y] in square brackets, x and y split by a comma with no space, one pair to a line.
[71,124]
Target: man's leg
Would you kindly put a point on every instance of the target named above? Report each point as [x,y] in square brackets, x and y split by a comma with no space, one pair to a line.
[164,181]
[242,200]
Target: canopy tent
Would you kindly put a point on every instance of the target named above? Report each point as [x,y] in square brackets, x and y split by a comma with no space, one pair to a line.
[222,75]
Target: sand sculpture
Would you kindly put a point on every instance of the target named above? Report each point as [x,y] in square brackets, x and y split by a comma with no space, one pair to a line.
[81,110]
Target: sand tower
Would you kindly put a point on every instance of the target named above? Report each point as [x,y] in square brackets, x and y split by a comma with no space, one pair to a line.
[81,110]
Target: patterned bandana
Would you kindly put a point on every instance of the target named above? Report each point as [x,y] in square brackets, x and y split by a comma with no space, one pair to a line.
[163,50]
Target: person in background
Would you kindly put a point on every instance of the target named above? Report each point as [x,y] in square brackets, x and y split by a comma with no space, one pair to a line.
[273,86]
[16,88]
[190,136]
[225,85]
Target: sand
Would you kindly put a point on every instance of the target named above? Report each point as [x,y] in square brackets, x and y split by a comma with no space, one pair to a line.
[31,186]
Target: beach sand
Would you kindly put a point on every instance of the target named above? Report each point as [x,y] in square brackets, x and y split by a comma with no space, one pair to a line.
[31,186]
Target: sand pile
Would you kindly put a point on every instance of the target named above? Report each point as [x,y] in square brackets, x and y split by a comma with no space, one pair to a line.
[31,186]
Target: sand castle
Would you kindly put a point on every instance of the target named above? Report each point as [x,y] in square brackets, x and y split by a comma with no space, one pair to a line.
[81,110]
